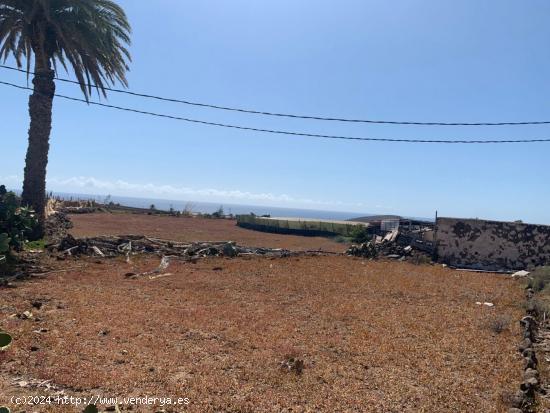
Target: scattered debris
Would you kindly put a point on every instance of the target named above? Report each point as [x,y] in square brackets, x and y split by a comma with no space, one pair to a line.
[111,246]
[156,273]
[292,364]
[486,304]
[41,331]
[25,315]
[389,246]
[97,251]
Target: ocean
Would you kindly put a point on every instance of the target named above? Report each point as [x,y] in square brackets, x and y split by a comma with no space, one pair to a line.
[210,207]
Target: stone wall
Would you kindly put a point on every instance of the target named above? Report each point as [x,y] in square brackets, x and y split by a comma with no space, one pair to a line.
[492,245]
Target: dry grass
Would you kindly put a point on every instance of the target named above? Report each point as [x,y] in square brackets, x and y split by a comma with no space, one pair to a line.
[374,336]
[193,229]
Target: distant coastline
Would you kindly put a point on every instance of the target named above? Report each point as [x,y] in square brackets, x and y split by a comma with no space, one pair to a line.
[211,207]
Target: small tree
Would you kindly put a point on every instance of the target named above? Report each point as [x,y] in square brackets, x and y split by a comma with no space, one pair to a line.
[359,234]
[219,213]
[89,36]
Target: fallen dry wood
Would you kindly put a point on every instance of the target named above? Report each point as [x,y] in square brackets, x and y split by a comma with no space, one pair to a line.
[111,246]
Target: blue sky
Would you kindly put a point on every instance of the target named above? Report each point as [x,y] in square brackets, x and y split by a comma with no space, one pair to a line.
[437,60]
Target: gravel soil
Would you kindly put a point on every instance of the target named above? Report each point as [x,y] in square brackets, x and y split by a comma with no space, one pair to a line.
[374,336]
[192,229]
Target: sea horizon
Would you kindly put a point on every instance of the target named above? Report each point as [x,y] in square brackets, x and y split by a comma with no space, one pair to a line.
[210,207]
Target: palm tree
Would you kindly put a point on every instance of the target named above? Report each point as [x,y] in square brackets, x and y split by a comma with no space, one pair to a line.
[89,35]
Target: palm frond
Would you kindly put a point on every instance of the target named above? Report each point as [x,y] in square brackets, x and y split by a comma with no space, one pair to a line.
[90,36]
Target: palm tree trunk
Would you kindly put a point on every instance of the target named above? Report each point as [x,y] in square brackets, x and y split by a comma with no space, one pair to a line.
[40,111]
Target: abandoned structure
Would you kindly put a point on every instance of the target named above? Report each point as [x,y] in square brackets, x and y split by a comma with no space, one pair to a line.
[457,242]
[491,245]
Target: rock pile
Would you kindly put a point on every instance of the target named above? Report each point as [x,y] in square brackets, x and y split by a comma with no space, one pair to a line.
[57,227]
[524,399]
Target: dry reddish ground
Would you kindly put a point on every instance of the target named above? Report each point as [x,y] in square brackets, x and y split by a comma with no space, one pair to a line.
[193,229]
[374,336]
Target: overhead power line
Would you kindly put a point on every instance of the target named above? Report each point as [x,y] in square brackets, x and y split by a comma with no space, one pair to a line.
[283,132]
[294,116]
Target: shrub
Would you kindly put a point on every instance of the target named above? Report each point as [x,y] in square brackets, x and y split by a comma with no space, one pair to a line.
[341,239]
[16,222]
[359,234]
[188,210]
[499,323]
[540,278]
[538,307]
[219,213]
[421,259]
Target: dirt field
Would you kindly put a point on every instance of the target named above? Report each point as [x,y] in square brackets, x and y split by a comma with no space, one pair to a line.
[374,336]
[193,229]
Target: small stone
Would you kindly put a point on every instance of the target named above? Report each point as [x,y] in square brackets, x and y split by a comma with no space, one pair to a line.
[25,315]
[530,373]
[528,352]
[41,330]
[525,344]
[517,399]
[528,321]
[532,381]
[528,363]
[529,385]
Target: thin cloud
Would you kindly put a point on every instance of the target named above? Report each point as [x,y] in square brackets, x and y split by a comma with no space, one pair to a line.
[95,186]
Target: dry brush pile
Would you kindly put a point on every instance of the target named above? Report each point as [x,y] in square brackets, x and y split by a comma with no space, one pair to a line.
[111,246]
